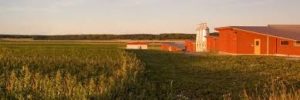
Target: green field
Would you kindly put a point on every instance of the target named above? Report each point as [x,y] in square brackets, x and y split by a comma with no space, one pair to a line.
[70,70]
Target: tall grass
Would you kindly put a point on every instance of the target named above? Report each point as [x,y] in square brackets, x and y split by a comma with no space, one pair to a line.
[221,77]
[64,71]
[275,90]
[69,73]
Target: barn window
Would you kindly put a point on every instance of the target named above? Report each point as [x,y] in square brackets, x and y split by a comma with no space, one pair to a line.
[297,43]
[284,43]
[257,43]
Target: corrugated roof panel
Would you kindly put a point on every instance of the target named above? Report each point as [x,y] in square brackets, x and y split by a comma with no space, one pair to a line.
[284,31]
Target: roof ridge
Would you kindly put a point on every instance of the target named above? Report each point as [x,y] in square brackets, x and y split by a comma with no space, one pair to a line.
[283,24]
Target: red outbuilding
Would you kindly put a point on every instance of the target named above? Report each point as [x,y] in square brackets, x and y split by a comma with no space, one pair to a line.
[212,42]
[190,46]
[172,47]
[257,40]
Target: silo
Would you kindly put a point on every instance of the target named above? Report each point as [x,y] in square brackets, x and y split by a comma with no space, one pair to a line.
[201,32]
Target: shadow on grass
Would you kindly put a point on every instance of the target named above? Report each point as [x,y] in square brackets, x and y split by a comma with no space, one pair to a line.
[211,77]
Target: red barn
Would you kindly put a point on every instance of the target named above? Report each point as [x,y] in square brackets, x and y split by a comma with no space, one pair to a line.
[212,42]
[190,46]
[257,40]
[172,47]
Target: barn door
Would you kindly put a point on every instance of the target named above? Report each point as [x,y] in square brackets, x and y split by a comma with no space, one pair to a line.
[257,45]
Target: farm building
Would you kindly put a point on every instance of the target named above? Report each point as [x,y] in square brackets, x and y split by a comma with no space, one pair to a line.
[256,40]
[212,42]
[137,45]
[190,46]
[172,47]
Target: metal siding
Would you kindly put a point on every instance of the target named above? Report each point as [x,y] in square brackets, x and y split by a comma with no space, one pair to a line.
[227,41]
[246,42]
[290,49]
[243,42]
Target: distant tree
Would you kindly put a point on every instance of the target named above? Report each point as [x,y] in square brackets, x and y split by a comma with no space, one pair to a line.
[164,36]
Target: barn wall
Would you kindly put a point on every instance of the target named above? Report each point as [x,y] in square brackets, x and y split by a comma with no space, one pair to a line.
[212,44]
[290,49]
[272,45]
[174,49]
[245,42]
[190,46]
[242,42]
[165,47]
[227,41]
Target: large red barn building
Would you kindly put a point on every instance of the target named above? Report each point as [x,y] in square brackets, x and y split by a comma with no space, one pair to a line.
[256,40]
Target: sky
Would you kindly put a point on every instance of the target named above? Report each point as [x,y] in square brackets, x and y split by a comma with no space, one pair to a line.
[52,17]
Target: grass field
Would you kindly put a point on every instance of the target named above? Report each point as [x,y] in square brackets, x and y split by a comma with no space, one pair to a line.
[64,70]
[219,77]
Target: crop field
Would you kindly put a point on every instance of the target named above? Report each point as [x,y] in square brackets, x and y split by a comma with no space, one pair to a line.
[222,77]
[34,70]
[65,71]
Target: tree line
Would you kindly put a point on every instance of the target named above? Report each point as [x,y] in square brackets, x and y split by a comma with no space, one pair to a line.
[106,36]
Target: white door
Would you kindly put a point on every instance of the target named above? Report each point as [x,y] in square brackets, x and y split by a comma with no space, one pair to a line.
[257,46]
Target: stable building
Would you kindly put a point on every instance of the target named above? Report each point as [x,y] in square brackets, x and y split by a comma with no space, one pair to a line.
[212,42]
[172,47]
[137,45]
[190,45]
[256,40]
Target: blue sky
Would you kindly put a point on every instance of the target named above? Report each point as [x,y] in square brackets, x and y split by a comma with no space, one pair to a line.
[139,16]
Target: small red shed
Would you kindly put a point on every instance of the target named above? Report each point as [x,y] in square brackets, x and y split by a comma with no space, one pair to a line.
[190,46]
[257,40]
[172,47]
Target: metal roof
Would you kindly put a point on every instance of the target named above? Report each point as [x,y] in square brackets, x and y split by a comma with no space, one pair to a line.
[137,43]
[284,31]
